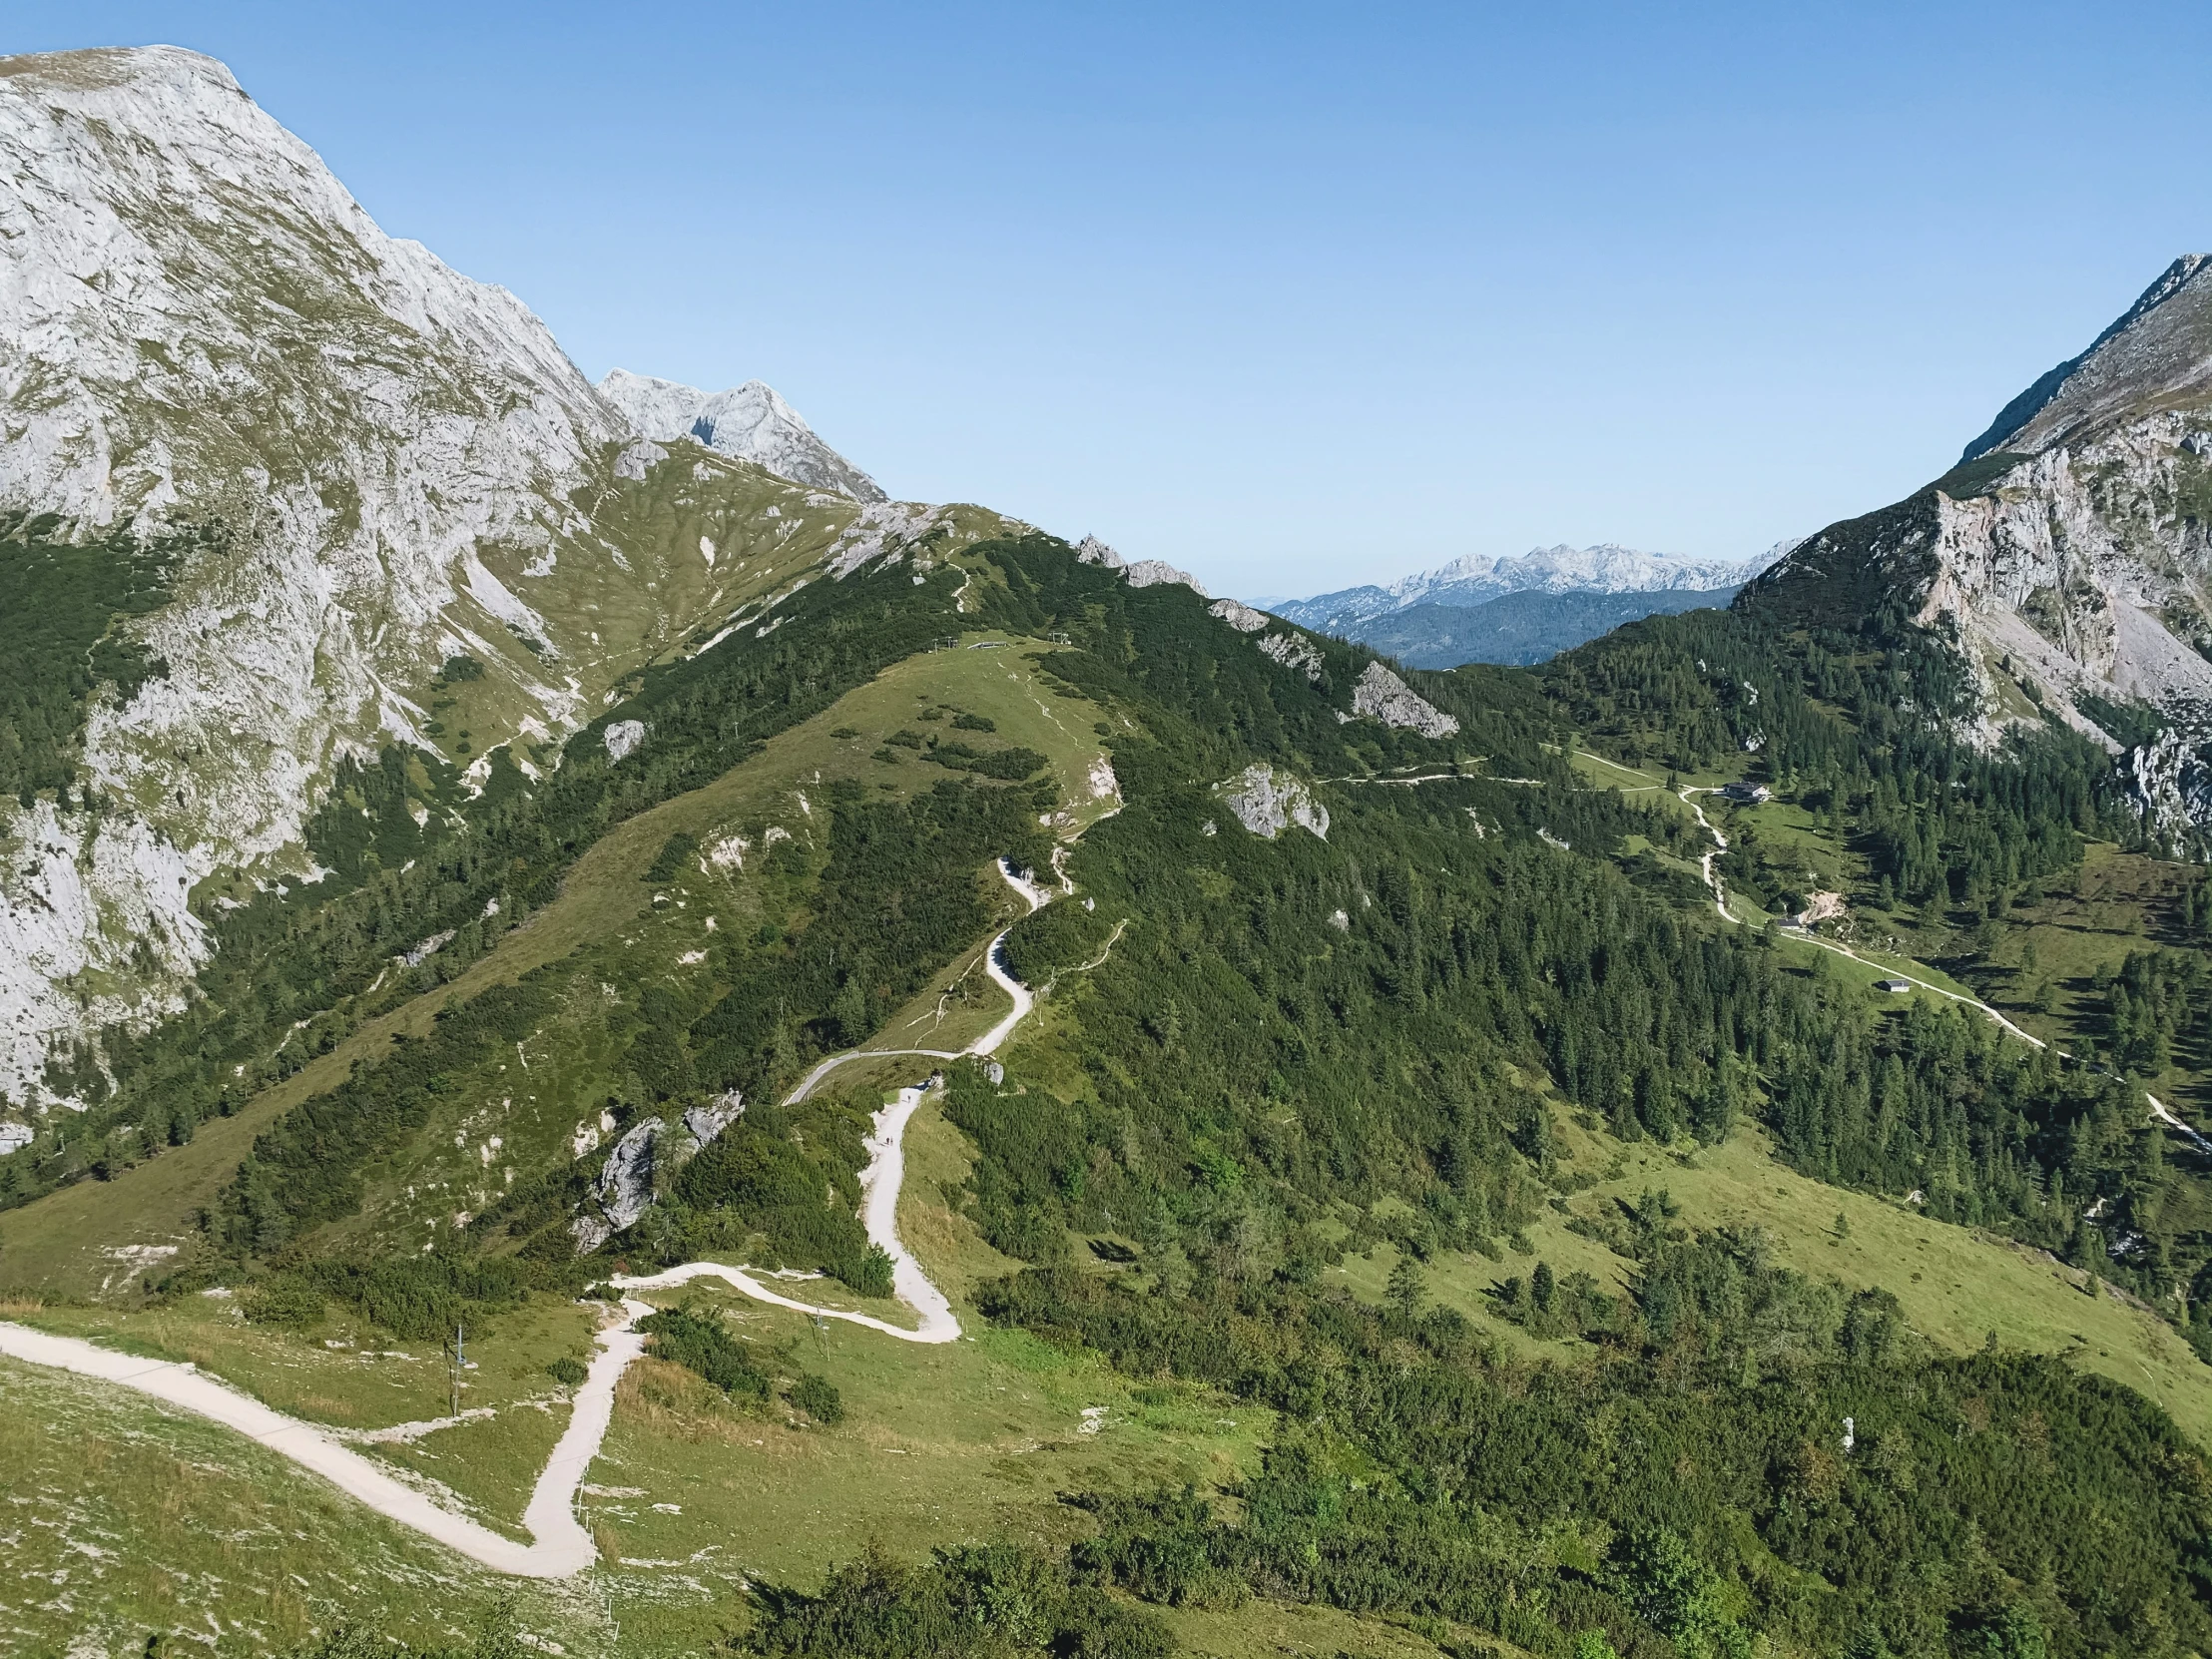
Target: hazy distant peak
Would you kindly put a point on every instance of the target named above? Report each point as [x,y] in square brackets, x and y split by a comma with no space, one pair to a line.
[750,422]
[1605,568]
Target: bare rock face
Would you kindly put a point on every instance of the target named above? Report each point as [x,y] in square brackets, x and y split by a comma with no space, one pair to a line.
[1293,650]
[381,464]
[2069,555]
[703,1123]
[623,736]
[634,1171]
[1381,695]
[1238,615]
[2170,781]
[748,423]
[1146,573]
[203,327]
[623,1189]
[1267,802]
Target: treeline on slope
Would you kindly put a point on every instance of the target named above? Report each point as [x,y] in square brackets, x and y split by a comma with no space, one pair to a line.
[1978,1126]
[1156,653]
[291,955]
[1859,732]
[1290,1028]
[894,897]
[1757,1457]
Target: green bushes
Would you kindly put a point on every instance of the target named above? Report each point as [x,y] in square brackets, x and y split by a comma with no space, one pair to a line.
[307,1166]
[417,1297]
[818,1396]
[425,1297]
[1057,938]
[979,1600]
[1009,765]
[285,1300]
[1690,1496]
[673,857]
[703,1344]
[567,1372]
[60,602]
[762,1178]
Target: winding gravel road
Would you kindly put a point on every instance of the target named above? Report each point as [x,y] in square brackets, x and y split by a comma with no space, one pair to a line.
[559,1546]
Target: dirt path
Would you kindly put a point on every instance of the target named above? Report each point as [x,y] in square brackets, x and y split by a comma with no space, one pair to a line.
[2158,1108]
[559,1544]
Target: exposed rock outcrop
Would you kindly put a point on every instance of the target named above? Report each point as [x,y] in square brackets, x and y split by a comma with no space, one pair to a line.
[1147,573]
[708,1120]
[1267,802]
[1238,615]
[1293,650]
[634,1170]
[623,736]
[1381,695]
[748,423]
[2170,781]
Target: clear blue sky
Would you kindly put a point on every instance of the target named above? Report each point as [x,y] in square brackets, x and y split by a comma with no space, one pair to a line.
[1293,296]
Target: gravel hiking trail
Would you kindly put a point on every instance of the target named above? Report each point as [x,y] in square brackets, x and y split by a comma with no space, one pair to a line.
[2158,1108]
[559,1546]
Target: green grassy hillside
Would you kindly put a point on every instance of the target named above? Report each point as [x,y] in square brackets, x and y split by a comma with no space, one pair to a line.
[1431,1226]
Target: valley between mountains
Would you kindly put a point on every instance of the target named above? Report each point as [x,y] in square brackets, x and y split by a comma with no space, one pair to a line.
[619,1045]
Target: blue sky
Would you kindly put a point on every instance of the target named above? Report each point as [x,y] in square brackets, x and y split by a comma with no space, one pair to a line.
[1294,295]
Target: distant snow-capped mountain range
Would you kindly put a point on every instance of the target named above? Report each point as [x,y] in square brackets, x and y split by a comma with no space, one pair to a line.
[1475,580]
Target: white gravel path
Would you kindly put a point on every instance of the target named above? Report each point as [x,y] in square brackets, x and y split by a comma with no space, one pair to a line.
[559,1546]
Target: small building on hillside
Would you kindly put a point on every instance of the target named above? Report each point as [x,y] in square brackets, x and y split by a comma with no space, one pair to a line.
[1745,791]
[1895,987]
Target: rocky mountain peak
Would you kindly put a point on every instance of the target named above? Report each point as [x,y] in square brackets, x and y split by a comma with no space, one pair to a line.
[748,423]
[2154,358]
[2070,557]
[377,465]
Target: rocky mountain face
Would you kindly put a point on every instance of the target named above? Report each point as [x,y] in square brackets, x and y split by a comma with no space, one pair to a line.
[748,423]
[386,467]
[2069,554]
[1471,581]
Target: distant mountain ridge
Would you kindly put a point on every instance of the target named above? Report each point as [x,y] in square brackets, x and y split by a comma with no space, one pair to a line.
[1606,568]
[748,423]
[1523,629]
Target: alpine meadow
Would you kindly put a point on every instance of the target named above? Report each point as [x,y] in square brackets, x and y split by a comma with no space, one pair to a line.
[616,1045]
